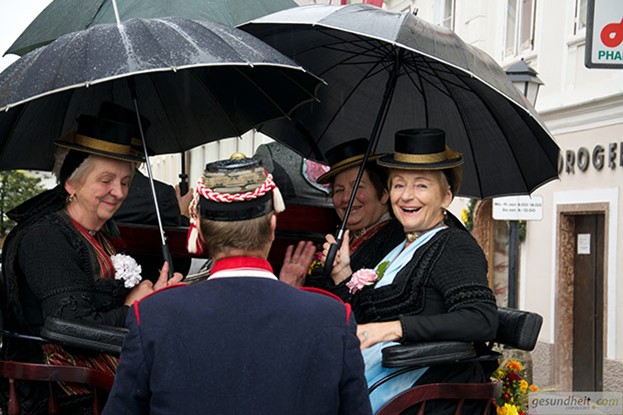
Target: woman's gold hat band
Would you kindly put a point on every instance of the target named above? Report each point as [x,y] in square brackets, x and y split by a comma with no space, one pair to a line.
[102,145]
[420,158]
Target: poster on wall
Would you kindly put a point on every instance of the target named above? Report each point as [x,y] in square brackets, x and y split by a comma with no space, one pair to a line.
[604,34]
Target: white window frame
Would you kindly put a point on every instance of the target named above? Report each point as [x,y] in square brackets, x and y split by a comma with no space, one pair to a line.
[579,17]
[516,48]
[445,13]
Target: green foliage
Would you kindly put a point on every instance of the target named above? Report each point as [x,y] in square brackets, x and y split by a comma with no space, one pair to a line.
[15,187]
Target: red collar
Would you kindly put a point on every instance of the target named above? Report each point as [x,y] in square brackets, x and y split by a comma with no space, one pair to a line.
[241,262]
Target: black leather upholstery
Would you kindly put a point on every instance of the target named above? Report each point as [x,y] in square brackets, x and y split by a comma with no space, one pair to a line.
[106,339]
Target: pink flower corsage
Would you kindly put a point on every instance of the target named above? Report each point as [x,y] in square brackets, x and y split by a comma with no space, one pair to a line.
[365,277]
[360,279]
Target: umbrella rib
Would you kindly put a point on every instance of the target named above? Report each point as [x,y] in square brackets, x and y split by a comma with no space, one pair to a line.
[348,97]
[207,89]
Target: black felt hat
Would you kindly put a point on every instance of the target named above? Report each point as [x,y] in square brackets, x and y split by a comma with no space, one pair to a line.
[424,149]
[344,156]
[109,134]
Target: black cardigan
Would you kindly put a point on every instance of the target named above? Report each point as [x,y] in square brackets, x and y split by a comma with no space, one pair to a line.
[441,294]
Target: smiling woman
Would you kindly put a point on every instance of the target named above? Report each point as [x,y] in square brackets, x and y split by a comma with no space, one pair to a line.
[58,258]
[433,285]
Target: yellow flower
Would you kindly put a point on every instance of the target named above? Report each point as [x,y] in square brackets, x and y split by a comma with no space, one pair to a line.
[523,386]
[464,216]
[514,365]
[507,409]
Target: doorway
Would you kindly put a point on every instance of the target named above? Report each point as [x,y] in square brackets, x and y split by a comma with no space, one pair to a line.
[588,300]
[580,298]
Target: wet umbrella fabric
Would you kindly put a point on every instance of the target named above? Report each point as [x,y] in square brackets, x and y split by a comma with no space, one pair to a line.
[195,81]
[64,16]
[439,81]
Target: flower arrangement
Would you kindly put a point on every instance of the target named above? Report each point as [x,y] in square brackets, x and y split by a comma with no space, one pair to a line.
[127,269]
[365,277]
[515,389]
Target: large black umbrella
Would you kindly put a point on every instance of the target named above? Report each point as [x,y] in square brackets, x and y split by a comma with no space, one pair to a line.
[391,71]
[195,81]
[64,16]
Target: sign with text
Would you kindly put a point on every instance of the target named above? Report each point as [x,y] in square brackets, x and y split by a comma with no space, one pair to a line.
[604,34]
[518,208]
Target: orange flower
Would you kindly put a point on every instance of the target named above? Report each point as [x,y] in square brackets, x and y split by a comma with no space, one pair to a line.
[514,365]
[534,388]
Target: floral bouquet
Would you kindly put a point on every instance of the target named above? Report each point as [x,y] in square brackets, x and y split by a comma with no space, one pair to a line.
[126,269]
[515,388]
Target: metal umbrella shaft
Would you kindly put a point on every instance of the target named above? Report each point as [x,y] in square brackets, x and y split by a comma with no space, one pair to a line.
[374,138]
[166,253]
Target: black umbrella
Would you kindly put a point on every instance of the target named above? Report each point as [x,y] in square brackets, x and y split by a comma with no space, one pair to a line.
[65,16]
[195,81]
[390,71]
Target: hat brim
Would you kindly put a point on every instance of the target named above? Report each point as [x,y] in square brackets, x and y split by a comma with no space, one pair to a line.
[338,168]
[390,162]
[66,141]
[452,165]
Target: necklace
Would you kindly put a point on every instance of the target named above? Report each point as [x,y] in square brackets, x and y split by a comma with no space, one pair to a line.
[415,235]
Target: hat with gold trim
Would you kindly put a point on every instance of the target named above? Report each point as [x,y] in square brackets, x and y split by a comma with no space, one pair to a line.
[425,149]
[108,134]
[236,189]
[344,156]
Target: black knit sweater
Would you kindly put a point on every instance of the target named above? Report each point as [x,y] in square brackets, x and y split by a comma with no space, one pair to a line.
[51,270]
[441,294]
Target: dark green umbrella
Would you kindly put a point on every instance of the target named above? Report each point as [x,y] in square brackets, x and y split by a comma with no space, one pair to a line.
[65,16]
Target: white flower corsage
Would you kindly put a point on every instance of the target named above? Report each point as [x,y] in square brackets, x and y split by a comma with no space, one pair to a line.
[127,269]
[365,277]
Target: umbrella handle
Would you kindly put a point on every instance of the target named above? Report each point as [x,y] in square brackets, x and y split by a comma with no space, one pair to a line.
[166,254]
[183,184]
[328,263]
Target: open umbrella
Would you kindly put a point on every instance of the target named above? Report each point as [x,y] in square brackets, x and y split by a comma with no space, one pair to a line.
[195,81]
[64,16]
[390,71]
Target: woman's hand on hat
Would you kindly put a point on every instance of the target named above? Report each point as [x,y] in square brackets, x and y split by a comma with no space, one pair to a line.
[296,263]
[164,280]
[341,265]
[373,333]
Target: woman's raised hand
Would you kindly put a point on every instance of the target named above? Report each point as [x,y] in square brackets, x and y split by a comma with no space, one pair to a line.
[341,265]
[146,287]
[373,333]
[163,279]
[296,263]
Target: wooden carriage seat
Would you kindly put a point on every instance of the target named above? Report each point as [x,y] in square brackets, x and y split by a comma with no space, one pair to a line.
[87,336]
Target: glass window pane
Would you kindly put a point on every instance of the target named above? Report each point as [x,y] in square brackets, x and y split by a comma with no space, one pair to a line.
[511,27]
[580,15]
[525,30]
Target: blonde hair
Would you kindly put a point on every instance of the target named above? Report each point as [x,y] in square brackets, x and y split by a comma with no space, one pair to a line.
[79,175]
[248,235]
[441,177]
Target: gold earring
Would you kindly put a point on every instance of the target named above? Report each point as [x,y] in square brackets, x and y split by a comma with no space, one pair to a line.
[71,198]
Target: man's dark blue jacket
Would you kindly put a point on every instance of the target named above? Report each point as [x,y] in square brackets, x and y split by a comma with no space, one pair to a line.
[247,346]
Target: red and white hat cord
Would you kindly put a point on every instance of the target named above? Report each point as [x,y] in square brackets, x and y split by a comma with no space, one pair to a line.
[194,242]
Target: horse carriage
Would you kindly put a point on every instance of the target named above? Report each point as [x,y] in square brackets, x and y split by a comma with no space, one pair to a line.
[517,329]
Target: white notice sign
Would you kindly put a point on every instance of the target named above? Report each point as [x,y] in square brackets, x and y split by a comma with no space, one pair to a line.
[584,244]
[518,208]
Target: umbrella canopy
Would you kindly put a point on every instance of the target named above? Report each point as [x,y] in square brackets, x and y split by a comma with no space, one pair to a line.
[391,71]
[65,16]
[195,81]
